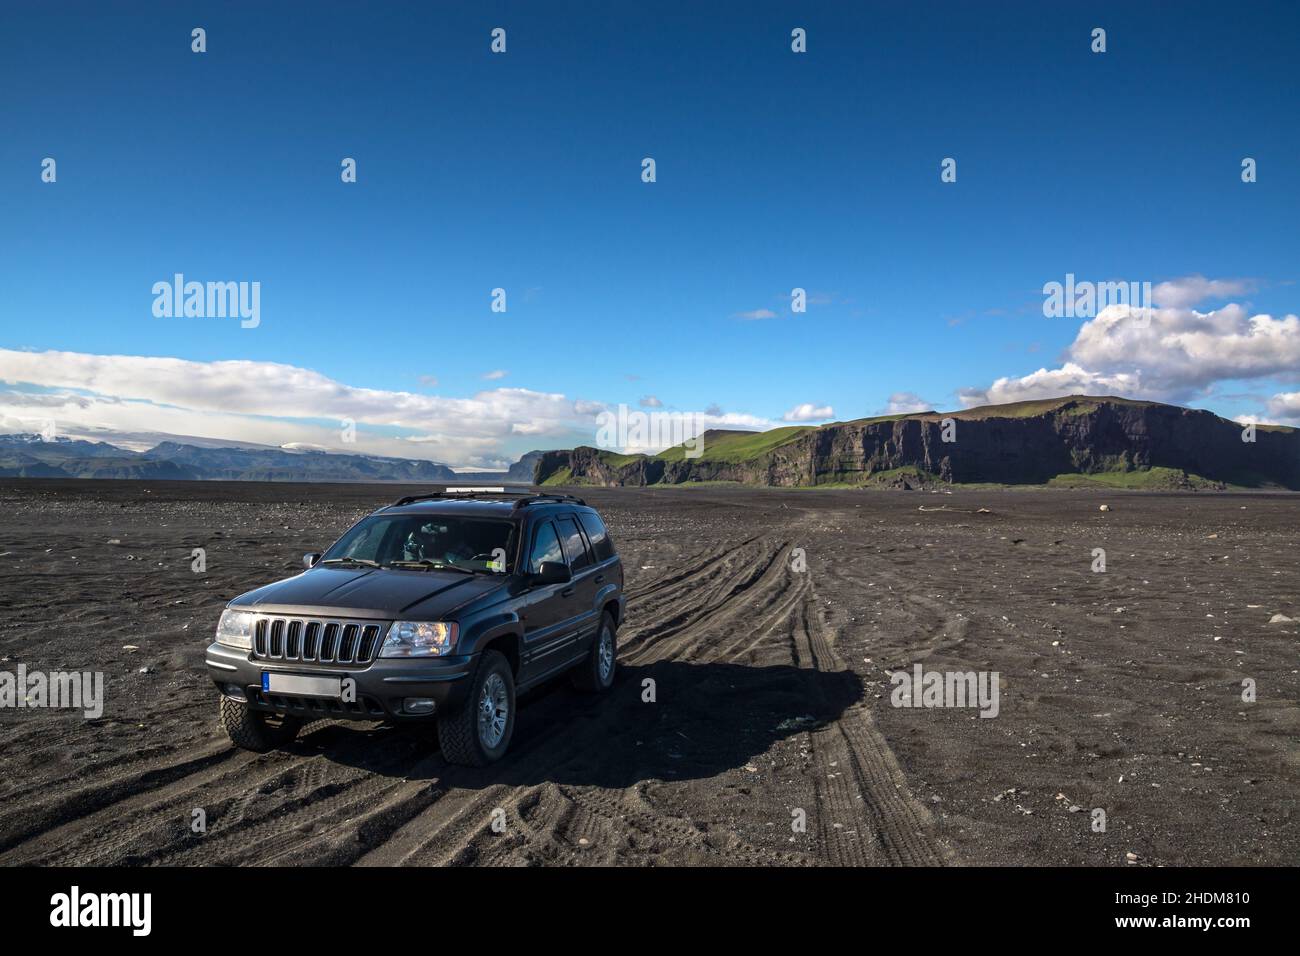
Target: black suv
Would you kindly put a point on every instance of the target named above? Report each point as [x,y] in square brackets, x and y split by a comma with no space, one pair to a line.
[439,607]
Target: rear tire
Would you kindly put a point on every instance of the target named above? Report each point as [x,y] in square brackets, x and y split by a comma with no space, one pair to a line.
[478,732]
[596,673]
[254,730]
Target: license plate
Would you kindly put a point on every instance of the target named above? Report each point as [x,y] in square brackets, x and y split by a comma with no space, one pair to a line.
[295,685]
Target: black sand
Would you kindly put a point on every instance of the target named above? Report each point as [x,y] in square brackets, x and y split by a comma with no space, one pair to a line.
[1119,690]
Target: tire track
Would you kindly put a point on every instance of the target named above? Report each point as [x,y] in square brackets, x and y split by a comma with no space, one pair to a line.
[375,799]
[903,829]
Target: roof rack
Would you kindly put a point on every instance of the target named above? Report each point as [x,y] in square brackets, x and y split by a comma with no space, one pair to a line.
[544,499]
[525,497]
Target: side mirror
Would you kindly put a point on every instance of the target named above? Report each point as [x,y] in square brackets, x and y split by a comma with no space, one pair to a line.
[309,560]
[553,572]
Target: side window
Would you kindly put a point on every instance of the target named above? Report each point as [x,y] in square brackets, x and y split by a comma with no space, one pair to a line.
[546,547]
[573,544]
[601,544]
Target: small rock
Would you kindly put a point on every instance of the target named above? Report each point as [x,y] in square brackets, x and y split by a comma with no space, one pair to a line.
[796,723]
[1280,619]
[1104,508]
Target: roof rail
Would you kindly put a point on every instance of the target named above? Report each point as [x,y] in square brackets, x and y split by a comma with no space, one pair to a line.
[524,497]
[545,499]
[454,495]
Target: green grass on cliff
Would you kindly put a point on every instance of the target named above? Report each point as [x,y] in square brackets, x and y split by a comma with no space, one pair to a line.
[1145,479]
[733,447]
[1083,404]
[614,460]
[561,476]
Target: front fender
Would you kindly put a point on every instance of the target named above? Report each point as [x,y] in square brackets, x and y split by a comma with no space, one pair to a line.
[481,632]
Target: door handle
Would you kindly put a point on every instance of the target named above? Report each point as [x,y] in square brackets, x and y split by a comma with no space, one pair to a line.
[566,592]
[600,578]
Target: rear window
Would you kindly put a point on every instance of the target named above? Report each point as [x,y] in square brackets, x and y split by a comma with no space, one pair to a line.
[597,535]
[573,545]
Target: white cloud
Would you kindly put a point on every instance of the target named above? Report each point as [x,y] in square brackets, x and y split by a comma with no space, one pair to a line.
[904,403]
[808,412]
[1181,351]
[1070,379]
[756,314]
[650,401]
[1189,290]
[1165,354]
[1284,408]
[136,401]
[276,404]
[495,374]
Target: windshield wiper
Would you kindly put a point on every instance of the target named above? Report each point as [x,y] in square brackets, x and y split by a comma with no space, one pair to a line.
[364,562]
[427,564]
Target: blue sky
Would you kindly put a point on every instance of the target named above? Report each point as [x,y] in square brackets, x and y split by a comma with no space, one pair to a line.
[522,171]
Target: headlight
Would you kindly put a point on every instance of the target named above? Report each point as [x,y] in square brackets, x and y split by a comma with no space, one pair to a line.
[235,629]
[419,639]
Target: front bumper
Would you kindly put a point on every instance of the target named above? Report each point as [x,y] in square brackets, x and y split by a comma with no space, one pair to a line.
[382,687]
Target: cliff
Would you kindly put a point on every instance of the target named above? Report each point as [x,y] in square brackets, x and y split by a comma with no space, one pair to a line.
[1118,441]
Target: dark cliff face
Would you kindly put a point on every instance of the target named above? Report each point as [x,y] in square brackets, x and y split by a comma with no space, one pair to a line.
[525,467]
[1076,436]
[588,466]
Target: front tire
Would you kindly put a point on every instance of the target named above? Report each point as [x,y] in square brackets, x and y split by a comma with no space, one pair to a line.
[596,672]
[478,732]
[253,730]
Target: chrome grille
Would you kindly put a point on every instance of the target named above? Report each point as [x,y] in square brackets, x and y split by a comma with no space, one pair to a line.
[316,640]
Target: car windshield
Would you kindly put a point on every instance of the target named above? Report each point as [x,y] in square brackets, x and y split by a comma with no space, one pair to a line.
[427,541]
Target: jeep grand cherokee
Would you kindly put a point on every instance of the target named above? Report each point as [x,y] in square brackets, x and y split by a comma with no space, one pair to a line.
[441,607]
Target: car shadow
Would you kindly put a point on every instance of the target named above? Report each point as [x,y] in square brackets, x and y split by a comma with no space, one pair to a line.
[671,720]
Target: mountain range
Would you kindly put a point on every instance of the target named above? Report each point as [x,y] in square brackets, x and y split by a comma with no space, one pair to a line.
[31,456]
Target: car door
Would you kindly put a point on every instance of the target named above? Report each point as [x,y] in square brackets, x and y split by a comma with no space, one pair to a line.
[583,568]
[550,636]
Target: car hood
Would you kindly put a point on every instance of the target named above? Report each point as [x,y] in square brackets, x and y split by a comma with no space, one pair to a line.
[388,593]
